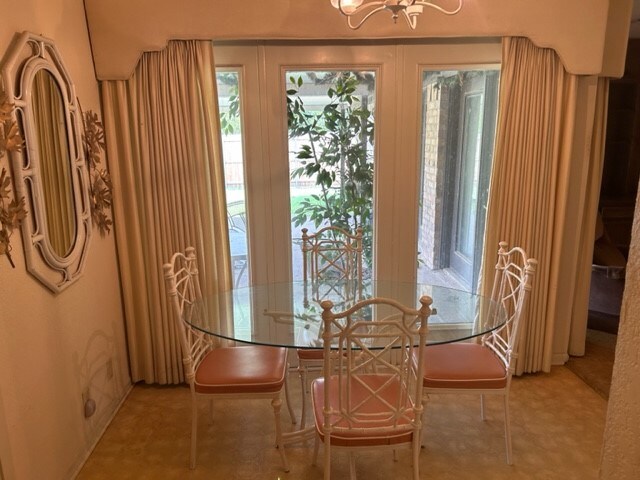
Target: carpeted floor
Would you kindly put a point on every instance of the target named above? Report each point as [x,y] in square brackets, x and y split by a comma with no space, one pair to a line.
[557,426]
[596,367]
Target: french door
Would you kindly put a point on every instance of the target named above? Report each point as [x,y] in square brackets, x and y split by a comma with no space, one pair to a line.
[471,169]
[468,115]
[386,88]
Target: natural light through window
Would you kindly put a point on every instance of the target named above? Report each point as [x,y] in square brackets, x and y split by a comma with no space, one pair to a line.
[331,134]
[458,127]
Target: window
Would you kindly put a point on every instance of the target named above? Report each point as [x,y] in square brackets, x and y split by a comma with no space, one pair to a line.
[228,82]
[331,130]
[422,185]
[458,129]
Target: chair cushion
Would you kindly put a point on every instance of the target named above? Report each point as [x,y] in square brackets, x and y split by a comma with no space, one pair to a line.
[251,369]
[360,435]
[310,353]
[463,365]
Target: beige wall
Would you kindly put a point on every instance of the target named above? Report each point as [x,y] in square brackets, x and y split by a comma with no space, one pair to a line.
[52,348]
[621,450]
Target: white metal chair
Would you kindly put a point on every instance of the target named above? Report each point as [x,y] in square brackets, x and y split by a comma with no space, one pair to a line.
[237,223]
[370,395]
[332,268]
[486,368]
[246,372]
[332,262]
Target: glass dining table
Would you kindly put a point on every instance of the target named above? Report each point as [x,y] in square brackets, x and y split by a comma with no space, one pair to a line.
[289,314]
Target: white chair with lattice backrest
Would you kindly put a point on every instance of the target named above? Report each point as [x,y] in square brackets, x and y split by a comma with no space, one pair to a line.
[236,216]
[246,372]
[332,262]
[486,368]
[370,394]
[331,268]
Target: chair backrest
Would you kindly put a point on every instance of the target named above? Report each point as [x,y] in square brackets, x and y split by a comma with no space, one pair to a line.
[183,289]
[372,358]
[236,216]
[332,261]
[511,288]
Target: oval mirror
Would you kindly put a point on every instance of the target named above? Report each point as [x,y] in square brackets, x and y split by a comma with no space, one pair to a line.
[51,171]
[51,137]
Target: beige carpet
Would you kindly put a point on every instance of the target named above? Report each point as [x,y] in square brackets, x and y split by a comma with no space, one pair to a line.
[557,426]
[596,366]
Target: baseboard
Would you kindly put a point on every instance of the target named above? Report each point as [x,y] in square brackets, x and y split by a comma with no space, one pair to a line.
[76,471]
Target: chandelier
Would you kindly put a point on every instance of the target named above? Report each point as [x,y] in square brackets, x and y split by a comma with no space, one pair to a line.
[359,11]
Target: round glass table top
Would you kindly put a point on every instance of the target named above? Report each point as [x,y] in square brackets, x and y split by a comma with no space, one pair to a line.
[289,314]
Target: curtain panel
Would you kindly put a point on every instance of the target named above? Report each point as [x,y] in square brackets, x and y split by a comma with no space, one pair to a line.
[544,192]
[165,156]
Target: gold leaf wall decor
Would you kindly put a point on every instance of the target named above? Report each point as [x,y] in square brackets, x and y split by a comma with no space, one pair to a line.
[100,193]
[12,210]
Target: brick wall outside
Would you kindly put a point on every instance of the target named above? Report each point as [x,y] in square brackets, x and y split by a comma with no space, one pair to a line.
[434,156]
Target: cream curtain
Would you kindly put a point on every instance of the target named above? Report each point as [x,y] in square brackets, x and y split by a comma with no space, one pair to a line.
[544,192]
[165,158]
[578,331]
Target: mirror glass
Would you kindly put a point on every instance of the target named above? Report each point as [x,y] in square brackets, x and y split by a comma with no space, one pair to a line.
[52,140]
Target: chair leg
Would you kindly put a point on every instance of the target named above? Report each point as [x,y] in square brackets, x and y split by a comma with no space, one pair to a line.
[288,398]
[316,447]
[327,459]
[194,431]
[482,416]
[507,430]
[352,467]
[302,371]
[425,398]
[276,403]
[416,457]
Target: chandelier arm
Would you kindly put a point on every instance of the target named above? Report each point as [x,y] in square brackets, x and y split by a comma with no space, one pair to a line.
[381,6]
[412,21]
[439,8]
[410,9]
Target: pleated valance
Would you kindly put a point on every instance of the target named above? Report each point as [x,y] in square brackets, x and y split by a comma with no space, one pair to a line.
[589,36]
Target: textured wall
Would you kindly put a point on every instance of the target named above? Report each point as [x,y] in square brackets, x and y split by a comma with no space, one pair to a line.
[621,450]
[55,347]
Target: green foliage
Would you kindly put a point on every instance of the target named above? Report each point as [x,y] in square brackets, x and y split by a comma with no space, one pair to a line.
[336,153]
[230,119]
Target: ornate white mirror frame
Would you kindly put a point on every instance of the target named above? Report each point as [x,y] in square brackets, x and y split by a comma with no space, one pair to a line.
[56,208]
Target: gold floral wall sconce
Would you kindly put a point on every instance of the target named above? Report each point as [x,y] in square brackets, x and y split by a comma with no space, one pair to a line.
[12,209]
[100,188]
